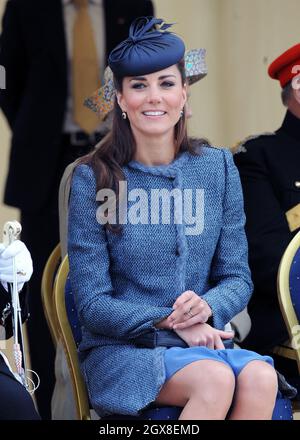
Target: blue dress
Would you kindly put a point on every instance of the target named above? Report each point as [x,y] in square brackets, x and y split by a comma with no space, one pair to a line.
[177,358]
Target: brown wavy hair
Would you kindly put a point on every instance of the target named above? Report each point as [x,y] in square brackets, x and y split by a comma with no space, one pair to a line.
[119,147]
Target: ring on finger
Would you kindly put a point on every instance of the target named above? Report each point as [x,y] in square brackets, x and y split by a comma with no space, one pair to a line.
[189,312]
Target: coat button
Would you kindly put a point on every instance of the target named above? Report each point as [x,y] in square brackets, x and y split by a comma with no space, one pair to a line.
[297,184]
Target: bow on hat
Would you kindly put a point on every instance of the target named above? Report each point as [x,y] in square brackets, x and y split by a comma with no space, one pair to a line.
[139,28]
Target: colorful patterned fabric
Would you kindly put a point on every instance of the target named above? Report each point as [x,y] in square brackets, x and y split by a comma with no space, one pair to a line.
[102,100]
[195,65]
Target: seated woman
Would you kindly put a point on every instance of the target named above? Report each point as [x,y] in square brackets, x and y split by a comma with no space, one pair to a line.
[158,254]
[16,402]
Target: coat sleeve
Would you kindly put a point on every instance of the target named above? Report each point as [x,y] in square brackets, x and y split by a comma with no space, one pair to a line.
[13,59]
[230,274]
[98,308]
[266,227]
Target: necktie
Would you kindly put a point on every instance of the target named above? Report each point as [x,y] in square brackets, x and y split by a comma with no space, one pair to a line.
[85,67]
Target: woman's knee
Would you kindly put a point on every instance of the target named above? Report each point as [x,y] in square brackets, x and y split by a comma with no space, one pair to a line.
[258,377]
[217,383]
[206,381]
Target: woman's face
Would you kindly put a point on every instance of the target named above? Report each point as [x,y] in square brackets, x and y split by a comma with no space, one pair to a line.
[153,102]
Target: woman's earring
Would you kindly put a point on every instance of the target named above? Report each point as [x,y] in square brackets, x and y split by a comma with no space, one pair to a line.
[181,113]
[124,115]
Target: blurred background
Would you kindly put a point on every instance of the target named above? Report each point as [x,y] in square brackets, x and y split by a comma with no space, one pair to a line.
[237,98]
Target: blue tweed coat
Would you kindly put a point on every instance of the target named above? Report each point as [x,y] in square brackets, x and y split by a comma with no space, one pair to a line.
[126,283]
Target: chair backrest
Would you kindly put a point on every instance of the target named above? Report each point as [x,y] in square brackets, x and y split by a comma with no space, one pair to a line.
[67,337]
[72,313]
[288,287]
[48,278]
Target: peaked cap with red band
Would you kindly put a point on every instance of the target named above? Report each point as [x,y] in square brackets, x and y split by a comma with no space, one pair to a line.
[286,66]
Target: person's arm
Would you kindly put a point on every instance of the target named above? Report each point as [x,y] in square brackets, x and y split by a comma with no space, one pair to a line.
[99,308]
[13,59]
[230,274]
[266,226]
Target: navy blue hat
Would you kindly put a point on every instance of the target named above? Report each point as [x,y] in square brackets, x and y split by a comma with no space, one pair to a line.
[147,49]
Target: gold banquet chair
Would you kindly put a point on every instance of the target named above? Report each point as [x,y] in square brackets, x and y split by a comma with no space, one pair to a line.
[288,288]
[67,337]
[47,291]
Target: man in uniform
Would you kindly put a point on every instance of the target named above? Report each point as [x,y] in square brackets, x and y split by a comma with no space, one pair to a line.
[269,166]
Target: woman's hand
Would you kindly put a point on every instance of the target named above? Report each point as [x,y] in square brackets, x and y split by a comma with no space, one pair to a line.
[204,335]
[189,309]
[23,263]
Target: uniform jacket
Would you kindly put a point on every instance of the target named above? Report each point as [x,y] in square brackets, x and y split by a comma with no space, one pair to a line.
[269,167]
[33,52]
[125,283]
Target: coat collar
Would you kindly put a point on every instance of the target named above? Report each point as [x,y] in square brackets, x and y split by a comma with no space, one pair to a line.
[169,170]
[291,126]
